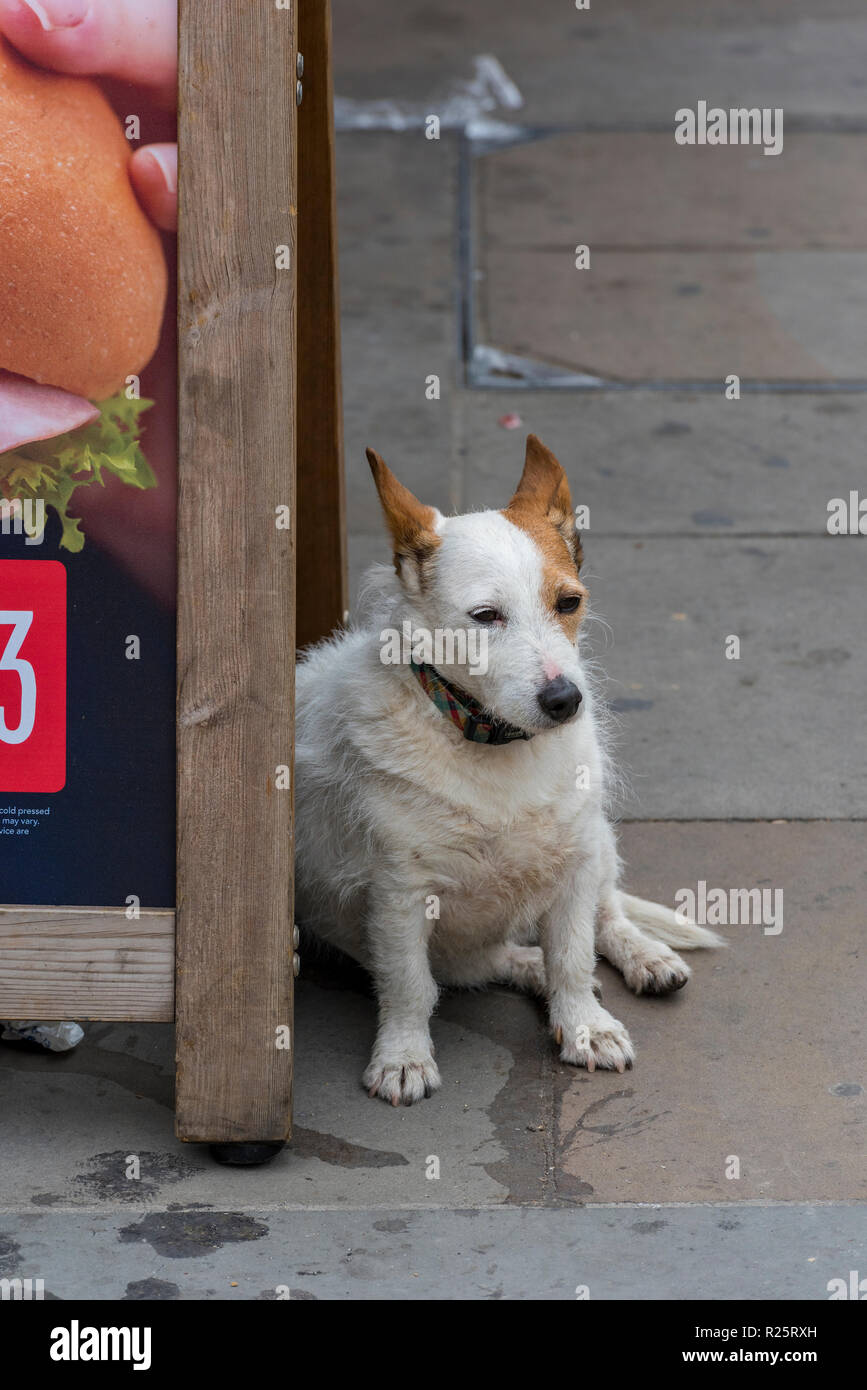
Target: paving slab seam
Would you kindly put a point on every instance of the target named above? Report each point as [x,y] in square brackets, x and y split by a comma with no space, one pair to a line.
[748,387]
[507,134]
[465,295]
[649,248]
[741,820]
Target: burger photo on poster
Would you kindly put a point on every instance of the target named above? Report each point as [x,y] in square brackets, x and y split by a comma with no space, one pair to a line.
[83,283]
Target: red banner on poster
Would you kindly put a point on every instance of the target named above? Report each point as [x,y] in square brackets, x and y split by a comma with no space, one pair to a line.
[32,676]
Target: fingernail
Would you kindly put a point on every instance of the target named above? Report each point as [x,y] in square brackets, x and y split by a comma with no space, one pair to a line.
[57,14]
[165,167]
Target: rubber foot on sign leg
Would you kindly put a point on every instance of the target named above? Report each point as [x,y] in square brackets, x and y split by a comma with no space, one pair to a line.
[246,1155]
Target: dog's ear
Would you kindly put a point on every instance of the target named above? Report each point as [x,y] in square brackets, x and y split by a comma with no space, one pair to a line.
[544,492]
[411,523]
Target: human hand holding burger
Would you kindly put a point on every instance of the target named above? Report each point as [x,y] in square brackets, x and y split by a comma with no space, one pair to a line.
[82,276]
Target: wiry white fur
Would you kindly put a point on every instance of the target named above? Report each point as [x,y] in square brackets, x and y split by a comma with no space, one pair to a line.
[395,810]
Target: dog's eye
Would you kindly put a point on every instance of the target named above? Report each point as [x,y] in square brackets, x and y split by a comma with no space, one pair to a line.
[568,603]
[486,615]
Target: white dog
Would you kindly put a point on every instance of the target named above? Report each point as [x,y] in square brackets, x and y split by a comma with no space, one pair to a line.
[451,820]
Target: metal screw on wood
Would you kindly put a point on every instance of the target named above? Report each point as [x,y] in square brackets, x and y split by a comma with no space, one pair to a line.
[296,965]
[299,65]
[299,93]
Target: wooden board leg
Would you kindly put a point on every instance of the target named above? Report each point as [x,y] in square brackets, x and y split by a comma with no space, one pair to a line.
[322,583]
[236,595]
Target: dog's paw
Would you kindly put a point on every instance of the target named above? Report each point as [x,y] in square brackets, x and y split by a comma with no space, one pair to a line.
[402,1082]
[600,1040]
[658,972]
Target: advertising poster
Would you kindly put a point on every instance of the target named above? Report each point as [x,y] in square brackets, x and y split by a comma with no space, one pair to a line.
[87,489]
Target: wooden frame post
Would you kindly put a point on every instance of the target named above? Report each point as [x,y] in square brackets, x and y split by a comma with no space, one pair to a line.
[322,581]
[236,593]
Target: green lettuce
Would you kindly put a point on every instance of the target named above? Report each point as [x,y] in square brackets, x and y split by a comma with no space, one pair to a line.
[51,469]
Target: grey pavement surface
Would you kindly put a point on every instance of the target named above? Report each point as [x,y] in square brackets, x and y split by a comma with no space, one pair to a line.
[752,1059]
[764,1253]
[707,520]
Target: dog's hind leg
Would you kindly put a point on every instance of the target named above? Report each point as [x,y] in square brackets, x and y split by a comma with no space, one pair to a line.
[503,964]
[648,966]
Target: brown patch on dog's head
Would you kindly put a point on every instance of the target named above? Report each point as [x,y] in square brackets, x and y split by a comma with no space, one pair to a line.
[411,523]
[542,507]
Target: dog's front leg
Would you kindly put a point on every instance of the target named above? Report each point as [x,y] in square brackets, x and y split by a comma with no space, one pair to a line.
[401,1068]
[588,1035]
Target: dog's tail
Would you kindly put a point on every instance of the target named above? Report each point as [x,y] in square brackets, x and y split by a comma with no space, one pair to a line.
[665,925]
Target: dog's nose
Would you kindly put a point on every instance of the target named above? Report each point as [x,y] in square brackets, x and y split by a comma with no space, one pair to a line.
[559,698]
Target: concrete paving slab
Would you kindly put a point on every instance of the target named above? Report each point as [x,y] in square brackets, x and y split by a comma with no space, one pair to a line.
[658,463]
[640,190]
[396,222]
[677,315]
[798,291]
[347,1150]
[776,732]
[626,62]
[773,1252]
[757,1067]
[704,261]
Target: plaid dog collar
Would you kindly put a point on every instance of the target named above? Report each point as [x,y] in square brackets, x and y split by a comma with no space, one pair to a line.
[465,712]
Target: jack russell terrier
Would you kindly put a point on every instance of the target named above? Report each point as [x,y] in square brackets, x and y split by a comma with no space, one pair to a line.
[452,817]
